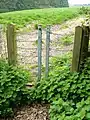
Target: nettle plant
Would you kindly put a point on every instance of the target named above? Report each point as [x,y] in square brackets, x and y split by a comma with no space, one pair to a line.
[68,93]
[13,82]
[64,110]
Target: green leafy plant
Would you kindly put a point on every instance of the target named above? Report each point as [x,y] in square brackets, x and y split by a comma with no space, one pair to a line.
[64,110]
[68,93]
[67,40]
[13,82]
[84,10]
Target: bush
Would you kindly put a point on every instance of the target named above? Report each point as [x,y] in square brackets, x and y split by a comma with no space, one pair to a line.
[61,110]
[68,93]
[67,40]
[84,10]
[12,86]
[59,70]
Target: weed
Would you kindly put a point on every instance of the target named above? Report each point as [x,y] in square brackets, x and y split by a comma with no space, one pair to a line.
[67,40]
[13,82]
[64,26]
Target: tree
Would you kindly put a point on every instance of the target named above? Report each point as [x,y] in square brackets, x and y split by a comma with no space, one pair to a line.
[10,5]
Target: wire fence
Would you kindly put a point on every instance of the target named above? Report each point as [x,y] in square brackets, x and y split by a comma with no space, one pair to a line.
[32,50]
[27,47]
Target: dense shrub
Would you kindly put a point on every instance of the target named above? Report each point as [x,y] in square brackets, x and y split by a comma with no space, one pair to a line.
[84,10]
[68,93]
[47,89]
[64,110]
[12,86]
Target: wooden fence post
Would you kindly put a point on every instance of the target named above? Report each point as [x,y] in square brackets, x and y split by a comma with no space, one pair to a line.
[39,51]
[11,44]
[47,51]
[85,43]
[77,49]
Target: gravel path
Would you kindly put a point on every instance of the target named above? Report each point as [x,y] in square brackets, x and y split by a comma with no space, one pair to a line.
[31,112]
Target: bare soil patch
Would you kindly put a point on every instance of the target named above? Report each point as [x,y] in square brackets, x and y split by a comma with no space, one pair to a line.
[31,112]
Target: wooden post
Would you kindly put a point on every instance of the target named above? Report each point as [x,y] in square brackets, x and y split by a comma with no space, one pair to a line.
[39,51]
[11,44]
[85,43]
[77,49]
[47,51]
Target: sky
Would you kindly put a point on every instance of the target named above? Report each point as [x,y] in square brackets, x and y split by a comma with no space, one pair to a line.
[79,1]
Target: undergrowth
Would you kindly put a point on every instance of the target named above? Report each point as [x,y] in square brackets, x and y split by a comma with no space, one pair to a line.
[67,93]
[84,10]
[13,82]
[67,40]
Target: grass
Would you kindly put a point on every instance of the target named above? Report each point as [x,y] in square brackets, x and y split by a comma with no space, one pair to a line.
[39,16]
[67,40]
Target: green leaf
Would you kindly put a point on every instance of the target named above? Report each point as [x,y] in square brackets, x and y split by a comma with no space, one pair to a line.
[88,116]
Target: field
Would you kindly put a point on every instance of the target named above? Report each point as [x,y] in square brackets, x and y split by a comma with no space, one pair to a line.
[39,16]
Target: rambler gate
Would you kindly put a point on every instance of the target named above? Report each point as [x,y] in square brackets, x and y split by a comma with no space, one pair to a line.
[81,45]
[80,49]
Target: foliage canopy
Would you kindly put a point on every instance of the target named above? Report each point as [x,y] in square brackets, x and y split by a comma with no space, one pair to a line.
[11,5]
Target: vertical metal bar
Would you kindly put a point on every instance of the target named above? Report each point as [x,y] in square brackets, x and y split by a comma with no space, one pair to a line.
[47,51]
[39,51]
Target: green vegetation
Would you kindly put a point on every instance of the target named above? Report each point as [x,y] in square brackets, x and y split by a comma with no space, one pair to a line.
[39,16]
[64,41]
[9,5]
[68,93]
[67,40]
[13,82]
[84,10]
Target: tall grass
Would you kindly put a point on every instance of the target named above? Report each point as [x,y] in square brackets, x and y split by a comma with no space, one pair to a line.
[39,16]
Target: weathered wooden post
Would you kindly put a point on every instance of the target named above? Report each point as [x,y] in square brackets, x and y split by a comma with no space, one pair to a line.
[85,43]
[77,49]
[39,51]
[47,51]
[11,44]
